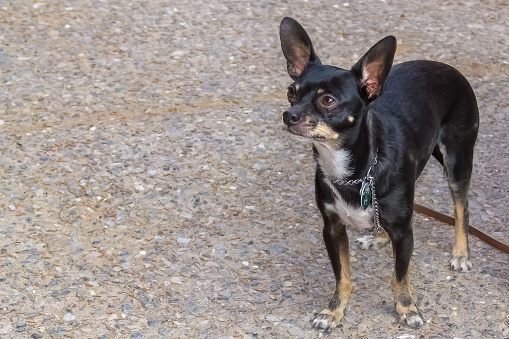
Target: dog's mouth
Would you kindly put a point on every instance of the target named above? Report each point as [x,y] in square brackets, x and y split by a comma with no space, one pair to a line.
[306,137]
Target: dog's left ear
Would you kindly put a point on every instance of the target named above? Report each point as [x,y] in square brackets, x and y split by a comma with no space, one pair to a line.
[372,69]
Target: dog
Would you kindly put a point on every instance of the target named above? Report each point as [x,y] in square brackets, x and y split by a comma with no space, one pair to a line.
[373,128]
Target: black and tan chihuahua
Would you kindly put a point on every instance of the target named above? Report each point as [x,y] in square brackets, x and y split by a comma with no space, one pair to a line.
[373,128]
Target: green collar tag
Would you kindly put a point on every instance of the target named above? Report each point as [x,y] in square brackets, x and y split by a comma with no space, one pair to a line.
[366,195]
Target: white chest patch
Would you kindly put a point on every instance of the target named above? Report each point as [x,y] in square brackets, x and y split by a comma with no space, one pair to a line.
[334,163]
[352,216]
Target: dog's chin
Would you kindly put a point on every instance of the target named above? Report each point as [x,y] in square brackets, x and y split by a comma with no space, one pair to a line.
[298,136]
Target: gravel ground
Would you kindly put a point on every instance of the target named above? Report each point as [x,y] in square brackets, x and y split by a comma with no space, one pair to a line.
[147,190]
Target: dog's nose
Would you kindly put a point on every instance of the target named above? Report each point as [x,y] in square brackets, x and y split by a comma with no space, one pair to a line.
[291,118]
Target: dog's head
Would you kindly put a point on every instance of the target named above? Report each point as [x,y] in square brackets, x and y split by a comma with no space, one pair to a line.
[327,101]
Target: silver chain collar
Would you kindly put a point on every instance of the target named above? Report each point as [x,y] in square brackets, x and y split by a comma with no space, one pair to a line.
[369,178]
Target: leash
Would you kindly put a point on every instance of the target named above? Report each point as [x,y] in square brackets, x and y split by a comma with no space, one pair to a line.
[472,230]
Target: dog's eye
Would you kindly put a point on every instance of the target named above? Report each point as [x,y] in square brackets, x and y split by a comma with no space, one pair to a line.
[328,101]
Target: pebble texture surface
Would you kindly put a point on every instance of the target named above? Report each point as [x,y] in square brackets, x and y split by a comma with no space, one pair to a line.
[147,190]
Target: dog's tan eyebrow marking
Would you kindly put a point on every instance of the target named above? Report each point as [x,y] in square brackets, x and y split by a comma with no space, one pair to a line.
[350,118]
[297,87]
[320,91]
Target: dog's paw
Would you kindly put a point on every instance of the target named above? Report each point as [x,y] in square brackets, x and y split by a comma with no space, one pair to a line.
[369,242]
[407,309]
[412,319]
[326,320]
[460,263]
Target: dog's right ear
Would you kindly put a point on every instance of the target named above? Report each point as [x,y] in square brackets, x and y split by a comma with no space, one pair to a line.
[297,47]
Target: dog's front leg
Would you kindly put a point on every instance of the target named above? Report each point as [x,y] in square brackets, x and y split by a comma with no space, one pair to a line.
[336,242]
[402,246]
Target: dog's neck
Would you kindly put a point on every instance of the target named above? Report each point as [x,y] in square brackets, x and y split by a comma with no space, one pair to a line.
[334,163]
[347,158]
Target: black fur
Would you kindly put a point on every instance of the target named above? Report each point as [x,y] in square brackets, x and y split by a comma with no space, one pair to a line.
[399,114]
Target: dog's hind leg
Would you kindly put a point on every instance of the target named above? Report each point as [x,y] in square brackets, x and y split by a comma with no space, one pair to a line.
[458,168]
[456,145]
[369,242]
[336,242]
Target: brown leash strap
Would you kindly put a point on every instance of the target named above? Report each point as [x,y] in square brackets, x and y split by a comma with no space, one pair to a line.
[474,231]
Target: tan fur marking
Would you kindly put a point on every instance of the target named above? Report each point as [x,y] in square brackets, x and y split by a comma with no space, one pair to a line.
[382,238]
[369,242]
[320,91]
[323,131]
[297,87]
[351,119]
[461,245]
[406,310]
[344,288]
[405,303]
[402,290]
[344,258]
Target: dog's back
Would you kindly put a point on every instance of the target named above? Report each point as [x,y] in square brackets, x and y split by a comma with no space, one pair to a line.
[415,86]
[434,102]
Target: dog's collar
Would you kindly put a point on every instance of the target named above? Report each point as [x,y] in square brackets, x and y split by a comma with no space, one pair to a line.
[358,181]
[367,193]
